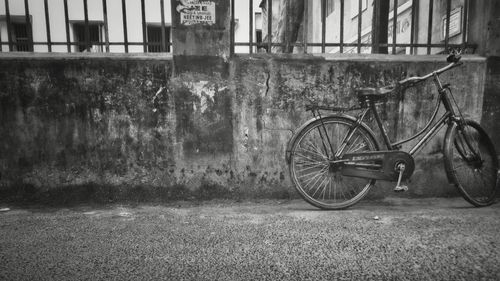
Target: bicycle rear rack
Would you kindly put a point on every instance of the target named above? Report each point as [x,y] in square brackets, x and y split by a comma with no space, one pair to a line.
[316,108]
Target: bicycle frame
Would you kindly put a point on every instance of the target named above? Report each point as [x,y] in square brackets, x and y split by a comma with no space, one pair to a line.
[430,130]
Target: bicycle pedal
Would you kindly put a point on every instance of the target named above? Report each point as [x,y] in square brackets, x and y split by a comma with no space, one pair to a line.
[401,188]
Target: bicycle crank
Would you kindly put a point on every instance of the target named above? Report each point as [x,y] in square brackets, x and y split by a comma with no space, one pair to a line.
[380,165]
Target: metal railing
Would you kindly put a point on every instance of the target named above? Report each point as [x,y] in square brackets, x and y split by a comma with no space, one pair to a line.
[341,45]
[322,44]
[163,45]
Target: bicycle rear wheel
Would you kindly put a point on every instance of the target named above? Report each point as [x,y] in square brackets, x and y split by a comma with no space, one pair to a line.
[316,179]
[472,163]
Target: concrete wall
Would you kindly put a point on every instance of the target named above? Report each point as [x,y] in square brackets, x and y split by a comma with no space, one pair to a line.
[491,107]
[97,127]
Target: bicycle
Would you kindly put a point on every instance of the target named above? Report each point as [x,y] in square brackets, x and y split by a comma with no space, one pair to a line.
[335,159]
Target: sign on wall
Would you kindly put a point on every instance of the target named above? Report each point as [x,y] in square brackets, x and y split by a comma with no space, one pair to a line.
[455,22]
[196,12]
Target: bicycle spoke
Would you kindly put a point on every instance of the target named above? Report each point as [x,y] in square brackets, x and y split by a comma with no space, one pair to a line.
[311,167]
[481,178]
[334,189]
[307,157]
[330,188]
[323,136]
[319,186]
[341,190]
[318,175]
[313,186]
[312,173]
[358,147]
[317,153]
[325,186]
[487,176]
[305,160]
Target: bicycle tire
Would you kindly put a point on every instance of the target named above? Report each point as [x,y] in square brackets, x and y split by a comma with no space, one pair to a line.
[471,163]
[310,169]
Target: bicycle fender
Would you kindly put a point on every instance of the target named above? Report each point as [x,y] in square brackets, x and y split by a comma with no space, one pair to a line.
[308,122]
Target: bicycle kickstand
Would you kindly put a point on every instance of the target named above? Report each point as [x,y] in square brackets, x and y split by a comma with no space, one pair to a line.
[400,188]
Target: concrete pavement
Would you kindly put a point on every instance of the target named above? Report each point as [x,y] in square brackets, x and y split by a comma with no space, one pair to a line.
[393,239]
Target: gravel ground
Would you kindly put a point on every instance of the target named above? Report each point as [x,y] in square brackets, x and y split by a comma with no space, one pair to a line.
[394,239]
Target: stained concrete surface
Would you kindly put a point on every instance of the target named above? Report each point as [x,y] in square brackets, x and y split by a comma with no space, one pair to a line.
[392,239]
[140,126]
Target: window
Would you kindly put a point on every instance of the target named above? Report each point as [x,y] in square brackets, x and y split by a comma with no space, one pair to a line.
[261,47]
[21,38]
[330,7]
[20,32]
[355,7]
[95,36]
[258,32]
[400,3]
[154,38]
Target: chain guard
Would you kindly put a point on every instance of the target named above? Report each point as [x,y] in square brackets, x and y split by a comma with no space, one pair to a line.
[380,165]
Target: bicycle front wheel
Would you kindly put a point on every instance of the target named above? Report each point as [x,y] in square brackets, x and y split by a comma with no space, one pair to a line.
[471,162]
[316,179]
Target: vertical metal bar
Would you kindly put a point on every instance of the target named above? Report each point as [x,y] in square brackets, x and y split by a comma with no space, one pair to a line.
[269,25]
[429,28]
[106,29]
[9,26]
[376,24]
[464,24]
[66,22]
[447,36]
[341,26]
[87,28]
[394,25]
[306,24]
[414,17]
[47,25]
[163,39]
[231,32]
[144,28]
[250,29]
[28,25]
[323,25]
[286,44]
[360,13]
[124,17]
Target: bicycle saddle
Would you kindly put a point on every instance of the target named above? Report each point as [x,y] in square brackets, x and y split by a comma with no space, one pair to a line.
[374,92]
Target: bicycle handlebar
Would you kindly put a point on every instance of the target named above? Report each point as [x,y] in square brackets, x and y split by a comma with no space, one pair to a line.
[454,61]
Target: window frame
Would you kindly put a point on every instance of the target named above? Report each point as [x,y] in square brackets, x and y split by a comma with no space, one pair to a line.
[355,7]
[168,37]
[75,40]
[19,20]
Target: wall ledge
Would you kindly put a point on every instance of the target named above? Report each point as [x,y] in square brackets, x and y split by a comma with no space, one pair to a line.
[84,56]
[396,58]
[168,56]
[361,57]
